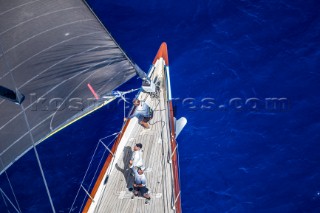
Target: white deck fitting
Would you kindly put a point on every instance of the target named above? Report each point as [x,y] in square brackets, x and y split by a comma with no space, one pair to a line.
[115,196]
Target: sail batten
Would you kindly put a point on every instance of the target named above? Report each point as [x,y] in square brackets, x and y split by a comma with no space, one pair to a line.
[50,51]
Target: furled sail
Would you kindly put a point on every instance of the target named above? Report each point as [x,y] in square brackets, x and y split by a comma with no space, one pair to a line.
[49,51]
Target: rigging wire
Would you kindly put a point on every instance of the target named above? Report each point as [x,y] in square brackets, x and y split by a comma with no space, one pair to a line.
[74,200]
[122,96]
[100,141]
[5,203]
[5,196]
[116,94]
[31,136]
[14,195]
[93,177]
[85,175]
[38,159]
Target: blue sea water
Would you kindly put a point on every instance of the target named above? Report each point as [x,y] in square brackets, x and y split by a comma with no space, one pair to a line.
[227,59]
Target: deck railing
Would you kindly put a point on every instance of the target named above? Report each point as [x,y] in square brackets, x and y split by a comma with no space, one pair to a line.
[174,160]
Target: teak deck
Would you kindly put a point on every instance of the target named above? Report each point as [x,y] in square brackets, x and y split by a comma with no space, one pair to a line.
[114,196]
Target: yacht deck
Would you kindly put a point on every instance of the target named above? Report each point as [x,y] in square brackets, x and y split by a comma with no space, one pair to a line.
[115,195]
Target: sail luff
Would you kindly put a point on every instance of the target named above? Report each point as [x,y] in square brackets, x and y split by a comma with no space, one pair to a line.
[129,59]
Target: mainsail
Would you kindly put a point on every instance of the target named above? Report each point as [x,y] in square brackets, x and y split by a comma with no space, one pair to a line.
[49,51]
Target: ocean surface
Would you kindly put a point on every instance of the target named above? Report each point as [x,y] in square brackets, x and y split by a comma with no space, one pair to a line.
[246,75]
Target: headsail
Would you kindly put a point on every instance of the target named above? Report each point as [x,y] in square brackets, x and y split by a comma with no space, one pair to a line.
[49,51]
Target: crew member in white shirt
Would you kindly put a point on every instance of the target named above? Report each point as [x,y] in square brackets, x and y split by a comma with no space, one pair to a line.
[136,159]
[142,112]
[139,185]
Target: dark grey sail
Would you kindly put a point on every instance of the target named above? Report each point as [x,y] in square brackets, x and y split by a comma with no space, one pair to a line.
[49,51]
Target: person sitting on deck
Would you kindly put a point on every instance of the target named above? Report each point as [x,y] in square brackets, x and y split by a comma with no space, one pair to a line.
[136,159]
[139,185]
[142,112]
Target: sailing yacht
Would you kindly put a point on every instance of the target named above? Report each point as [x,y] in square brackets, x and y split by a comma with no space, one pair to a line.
[111,192]
[58,63]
